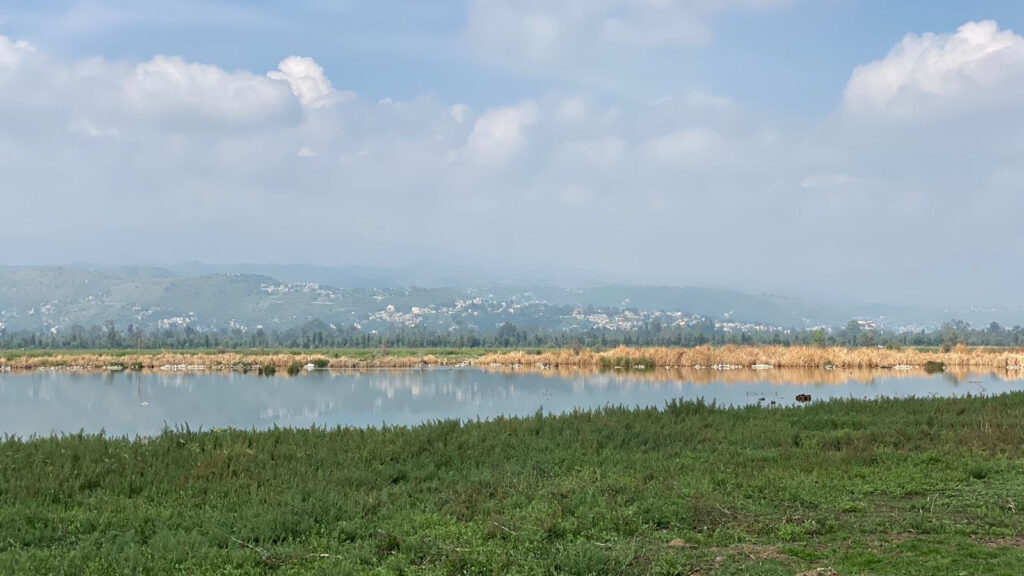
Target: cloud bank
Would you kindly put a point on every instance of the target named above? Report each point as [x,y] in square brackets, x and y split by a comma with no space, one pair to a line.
[165,158]
[977,65]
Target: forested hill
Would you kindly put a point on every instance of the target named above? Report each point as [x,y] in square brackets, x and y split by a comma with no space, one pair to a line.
[59,299]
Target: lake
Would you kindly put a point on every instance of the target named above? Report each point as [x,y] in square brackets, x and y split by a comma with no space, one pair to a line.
[43,403]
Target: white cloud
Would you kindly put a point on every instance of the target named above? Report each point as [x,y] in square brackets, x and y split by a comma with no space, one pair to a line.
[696,100]
[707,101]
[826,180]
[458,112]
[595,151]
[531,30]
[659,101]
[306,152]
[358,155]
[978,65]
[11,53]
[688,145]
[88,128]
[170,86]
[572,109]
[542,31]
[498,133]
[308,82]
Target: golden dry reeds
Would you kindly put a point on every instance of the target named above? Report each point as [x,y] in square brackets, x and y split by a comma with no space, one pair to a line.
[774,356]
[778,376]
[220,361]
[704,356]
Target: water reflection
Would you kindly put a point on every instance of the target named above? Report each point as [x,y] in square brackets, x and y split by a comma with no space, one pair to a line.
[142,403]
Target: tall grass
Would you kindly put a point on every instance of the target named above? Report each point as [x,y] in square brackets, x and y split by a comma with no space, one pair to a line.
[221,361]
[776,356]
[908,487]
[780,376]
[704,356]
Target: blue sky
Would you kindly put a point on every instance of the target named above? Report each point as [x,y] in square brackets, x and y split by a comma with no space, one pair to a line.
[855,149]
[795,57]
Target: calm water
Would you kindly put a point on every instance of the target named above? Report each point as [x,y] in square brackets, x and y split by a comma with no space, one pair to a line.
[42,403]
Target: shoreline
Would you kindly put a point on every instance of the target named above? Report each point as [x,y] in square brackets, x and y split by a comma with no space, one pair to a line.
[723,359]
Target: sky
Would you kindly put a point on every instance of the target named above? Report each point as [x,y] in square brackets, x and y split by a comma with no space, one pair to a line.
[849,149]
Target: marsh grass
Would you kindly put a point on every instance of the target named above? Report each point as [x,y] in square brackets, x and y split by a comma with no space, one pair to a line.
[625,357]
[627,362]
[218,360]
[923,486]
[776,356]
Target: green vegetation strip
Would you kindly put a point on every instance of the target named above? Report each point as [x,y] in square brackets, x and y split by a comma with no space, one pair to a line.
[924,486]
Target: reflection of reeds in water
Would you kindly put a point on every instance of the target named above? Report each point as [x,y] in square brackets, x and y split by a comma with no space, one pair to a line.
[779,376]
[776,356]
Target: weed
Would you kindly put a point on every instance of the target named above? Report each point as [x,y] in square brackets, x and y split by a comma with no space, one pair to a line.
[910,486]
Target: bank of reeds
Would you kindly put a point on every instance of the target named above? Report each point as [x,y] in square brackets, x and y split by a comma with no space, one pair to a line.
[773,356]
[174,361]
[622,357]
[780,376]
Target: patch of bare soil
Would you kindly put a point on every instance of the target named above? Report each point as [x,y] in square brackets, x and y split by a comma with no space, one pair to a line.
[1008,542]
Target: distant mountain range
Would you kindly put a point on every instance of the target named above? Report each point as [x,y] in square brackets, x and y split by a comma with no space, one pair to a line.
[248,296]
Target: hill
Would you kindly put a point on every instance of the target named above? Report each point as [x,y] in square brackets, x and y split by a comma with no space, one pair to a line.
[56,298]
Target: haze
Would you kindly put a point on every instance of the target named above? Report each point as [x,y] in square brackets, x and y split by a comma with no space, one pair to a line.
[845,149]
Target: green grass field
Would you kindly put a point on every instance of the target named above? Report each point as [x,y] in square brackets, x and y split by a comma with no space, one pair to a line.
[907,487]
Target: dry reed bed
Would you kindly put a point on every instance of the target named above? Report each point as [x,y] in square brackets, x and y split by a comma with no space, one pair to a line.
[775,356]
[197,362]
[705,356]
[779,376]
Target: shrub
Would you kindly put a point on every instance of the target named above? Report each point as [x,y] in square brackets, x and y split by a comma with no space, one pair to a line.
[979,471]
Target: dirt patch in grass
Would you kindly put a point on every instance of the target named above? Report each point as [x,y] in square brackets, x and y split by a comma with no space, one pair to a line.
[1007,542]
[757,553]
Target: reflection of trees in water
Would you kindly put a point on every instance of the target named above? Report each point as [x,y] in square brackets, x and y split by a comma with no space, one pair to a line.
[38,401]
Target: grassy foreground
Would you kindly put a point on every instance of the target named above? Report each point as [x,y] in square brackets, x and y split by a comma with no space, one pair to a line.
[904,487]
